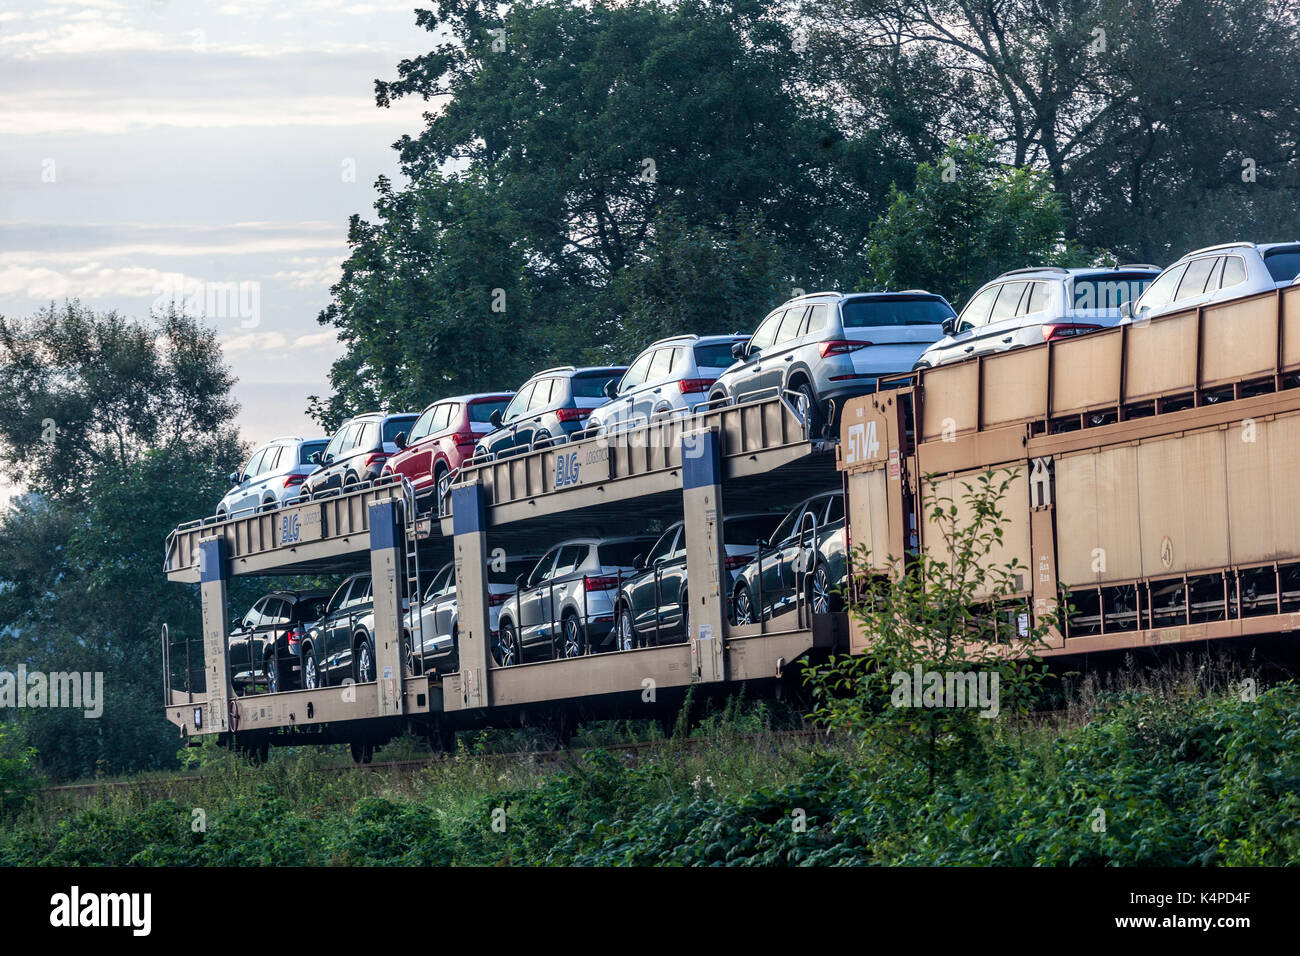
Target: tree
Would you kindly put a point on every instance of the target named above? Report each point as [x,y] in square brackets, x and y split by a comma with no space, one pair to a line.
[952,614]
[967,219]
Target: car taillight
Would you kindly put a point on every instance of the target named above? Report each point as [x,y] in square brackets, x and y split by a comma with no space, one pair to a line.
[1066,329]
[372,459]
[293,637]
[291,480]
[733,561]
[689,385]
[464,438]
[572,414]
[840,347]
[495,599]
[599,584]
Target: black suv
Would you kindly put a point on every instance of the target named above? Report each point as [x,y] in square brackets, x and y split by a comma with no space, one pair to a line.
[273,629]
[342,642]
[550,407]
[358,451]
[806,552]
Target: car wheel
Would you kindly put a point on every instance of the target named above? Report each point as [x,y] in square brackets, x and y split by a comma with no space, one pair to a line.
[442,481]
[270,504]
[363,668]
[684,602]
[814,410]
[820,596]
[626,639]
[223,514]
[507,652]
[744,605]
[543,439]
[272,671]
[571,638]
[350,480]
[719,397]
[311,674]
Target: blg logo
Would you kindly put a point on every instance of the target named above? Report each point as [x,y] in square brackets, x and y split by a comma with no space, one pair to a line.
[566,469]
[289,529]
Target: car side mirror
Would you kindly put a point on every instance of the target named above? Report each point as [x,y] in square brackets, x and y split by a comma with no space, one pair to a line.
[611,389]
[495,418]
[329,457]
[738,349]
[400,440]
[235,478]
[315,458]
[948,325]
[639,562]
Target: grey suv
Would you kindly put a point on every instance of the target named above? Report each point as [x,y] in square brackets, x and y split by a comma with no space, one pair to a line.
[273,476]
[672,375]
[566,604]
[358,451]
[548,408]
[1217,273]
[1032,306]
[829,346]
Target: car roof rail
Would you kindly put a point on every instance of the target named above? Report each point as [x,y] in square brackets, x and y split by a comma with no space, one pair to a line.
[557,368]
[272,441]
[671,338]
[1058,270]
[1222,245]
[1135,265]
[813,295]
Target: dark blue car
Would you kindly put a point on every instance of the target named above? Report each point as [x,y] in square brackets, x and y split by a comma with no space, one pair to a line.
[548,408]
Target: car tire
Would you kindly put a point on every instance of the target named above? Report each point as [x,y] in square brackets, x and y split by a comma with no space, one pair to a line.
[684,605]
[508,652]
[542,437]
[625,640]
[820,590]
[313,678]
[441,482]
[271,668]
[815,418]
[573,642]
[716,397]
[363,662]
[744,604]
[222,515]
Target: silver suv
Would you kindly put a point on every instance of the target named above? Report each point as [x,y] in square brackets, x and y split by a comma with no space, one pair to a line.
[566,604]
[1031,306]
[1217,273]
[829,346]
[272,476]
[672,375]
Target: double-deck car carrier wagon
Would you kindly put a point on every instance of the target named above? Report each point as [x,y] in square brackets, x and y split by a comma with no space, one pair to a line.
[682,468]
[1152,488]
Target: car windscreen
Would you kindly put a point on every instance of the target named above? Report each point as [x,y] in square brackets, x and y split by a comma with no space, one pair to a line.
[714,355]
[481,411]
[750,529]
[892,311]
[592,384]
[622,553]
[1283,264]
[1109,291]
[309,448]
[398,423]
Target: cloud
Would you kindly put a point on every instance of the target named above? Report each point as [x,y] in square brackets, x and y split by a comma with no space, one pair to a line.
[92,280]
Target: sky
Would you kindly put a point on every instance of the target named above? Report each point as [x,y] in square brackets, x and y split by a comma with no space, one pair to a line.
[208,153]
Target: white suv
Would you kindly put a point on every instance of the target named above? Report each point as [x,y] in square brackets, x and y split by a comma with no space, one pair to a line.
[1218,273]
[272,476]
[1031,306]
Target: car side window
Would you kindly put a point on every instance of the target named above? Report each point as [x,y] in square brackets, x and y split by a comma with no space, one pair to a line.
[278,612]
[254,615]
[568,560]
[662,364]
[1161,292]
[977,310]
[360,592]
[351,439]
[369,436]
[439,583]
[664,546]
[817,319]
[340,597]
[1234,271]
[1008,302]
[519,402]
[542,395]
[835,510]
[542,570]
[254,463]
[635,375]
[1036,301]
[1195,278]
[790,325]
[422,426]
[766,333]
[441,416]
[271,463]
[335,446]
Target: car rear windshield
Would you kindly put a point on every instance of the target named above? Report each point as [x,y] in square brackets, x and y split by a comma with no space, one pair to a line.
[748,531]
[312,609]
[1109,291]
[1283,264]
[894,310]
[309,448]
[510,573]
[398,423]
[714,355]
[622,553]
[592,384]
[481,411]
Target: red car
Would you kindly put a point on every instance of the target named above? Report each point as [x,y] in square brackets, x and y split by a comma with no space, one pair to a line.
[441,438]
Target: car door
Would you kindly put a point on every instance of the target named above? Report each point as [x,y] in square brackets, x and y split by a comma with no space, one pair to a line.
[546,394]
[1159,294]
[443,601]
[337,631]
[275,616]
[999,332]
[671,582]
[1194,287]
[973,318]
[780,356]
[623,408]
[266,472]
[245,498]
[644,604]
[242,638]
[651,392]
[789,560]
[564,583]
[745,378]
[533,598]
[413,460]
